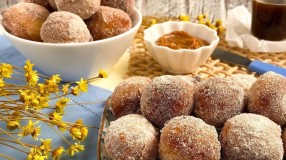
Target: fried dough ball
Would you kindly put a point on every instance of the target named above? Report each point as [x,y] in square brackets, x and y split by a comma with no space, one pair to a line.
[64,27]
[83,8]
[53,4]
[217,100]
[244,80]
[251,137]
[24,20]
[125,5]
[267,97]
[284,140]
[187,137]
[43,3]
[131,137]
[108,22]
[126,96]
[192,81]
[165,98]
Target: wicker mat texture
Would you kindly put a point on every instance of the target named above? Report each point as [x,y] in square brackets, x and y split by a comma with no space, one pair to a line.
[141,64]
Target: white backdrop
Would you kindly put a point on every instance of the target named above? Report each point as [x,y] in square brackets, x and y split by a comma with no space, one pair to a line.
[214,8]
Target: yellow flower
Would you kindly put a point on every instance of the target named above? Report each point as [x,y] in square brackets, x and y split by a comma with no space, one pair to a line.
[51,86]
[52,83]
[56,78]
[2,83]
[32,77]
[36,132]
[61,125]
[28,66]
[82,85]
[220,30]
[75,148]
[61,104]
[75,90]
[6,70]
[56,154]
[218,23]
[153,21]
[55,116]
[28,129]
[12,125]
[46,146]
[103,74]
[184,17]
[201,17]
[65,89]
[78,131]
[35,154]
[84,132]
[43,89]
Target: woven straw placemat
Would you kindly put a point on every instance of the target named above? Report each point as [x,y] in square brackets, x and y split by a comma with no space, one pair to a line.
[141,64]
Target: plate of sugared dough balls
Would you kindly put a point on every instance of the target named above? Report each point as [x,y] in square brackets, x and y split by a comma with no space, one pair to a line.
[68,21]
[240,117]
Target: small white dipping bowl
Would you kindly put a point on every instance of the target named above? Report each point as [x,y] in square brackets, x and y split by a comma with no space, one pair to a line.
[180,61]
[77,60]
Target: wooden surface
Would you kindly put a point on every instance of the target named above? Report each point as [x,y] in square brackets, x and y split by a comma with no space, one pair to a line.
[170,8]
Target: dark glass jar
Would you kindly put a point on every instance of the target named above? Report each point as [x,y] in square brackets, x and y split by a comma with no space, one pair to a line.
[269,19]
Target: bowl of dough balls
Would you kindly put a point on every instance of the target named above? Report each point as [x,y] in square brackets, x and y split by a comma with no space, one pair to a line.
[75,39]
[180,47]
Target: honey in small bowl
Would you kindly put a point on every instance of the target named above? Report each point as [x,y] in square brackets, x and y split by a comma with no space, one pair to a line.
[180,40]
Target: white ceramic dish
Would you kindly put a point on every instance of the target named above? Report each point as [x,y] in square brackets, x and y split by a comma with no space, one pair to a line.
[76,60]
[181,61]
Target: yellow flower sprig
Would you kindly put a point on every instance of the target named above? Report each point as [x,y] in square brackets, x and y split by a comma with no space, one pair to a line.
[217,25]
[21,108]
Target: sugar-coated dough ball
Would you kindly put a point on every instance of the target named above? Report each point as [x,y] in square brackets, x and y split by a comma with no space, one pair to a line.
[83,8]
[131,137]
[125,5]
[165,98]
[126,96]
[108,22]
[217,100]
[64,27]
[251,137]
[24,20]
[284,140]
[244,80]
[53,4]
[267,97]
[43,3]
[187,137]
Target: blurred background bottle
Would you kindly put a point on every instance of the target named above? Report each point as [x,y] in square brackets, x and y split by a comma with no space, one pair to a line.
[269,19]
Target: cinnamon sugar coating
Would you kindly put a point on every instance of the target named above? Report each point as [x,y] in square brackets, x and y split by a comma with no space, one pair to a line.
[24,20]
[187,137]
[64,27]
[217,100]
[165,98]
[251,137]
[126,96]
[83,8]
[267,97]
[108,22]
[125,5]
[131,137]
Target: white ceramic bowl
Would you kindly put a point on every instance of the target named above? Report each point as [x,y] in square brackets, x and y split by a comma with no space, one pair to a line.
[180,61]
[77,60]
